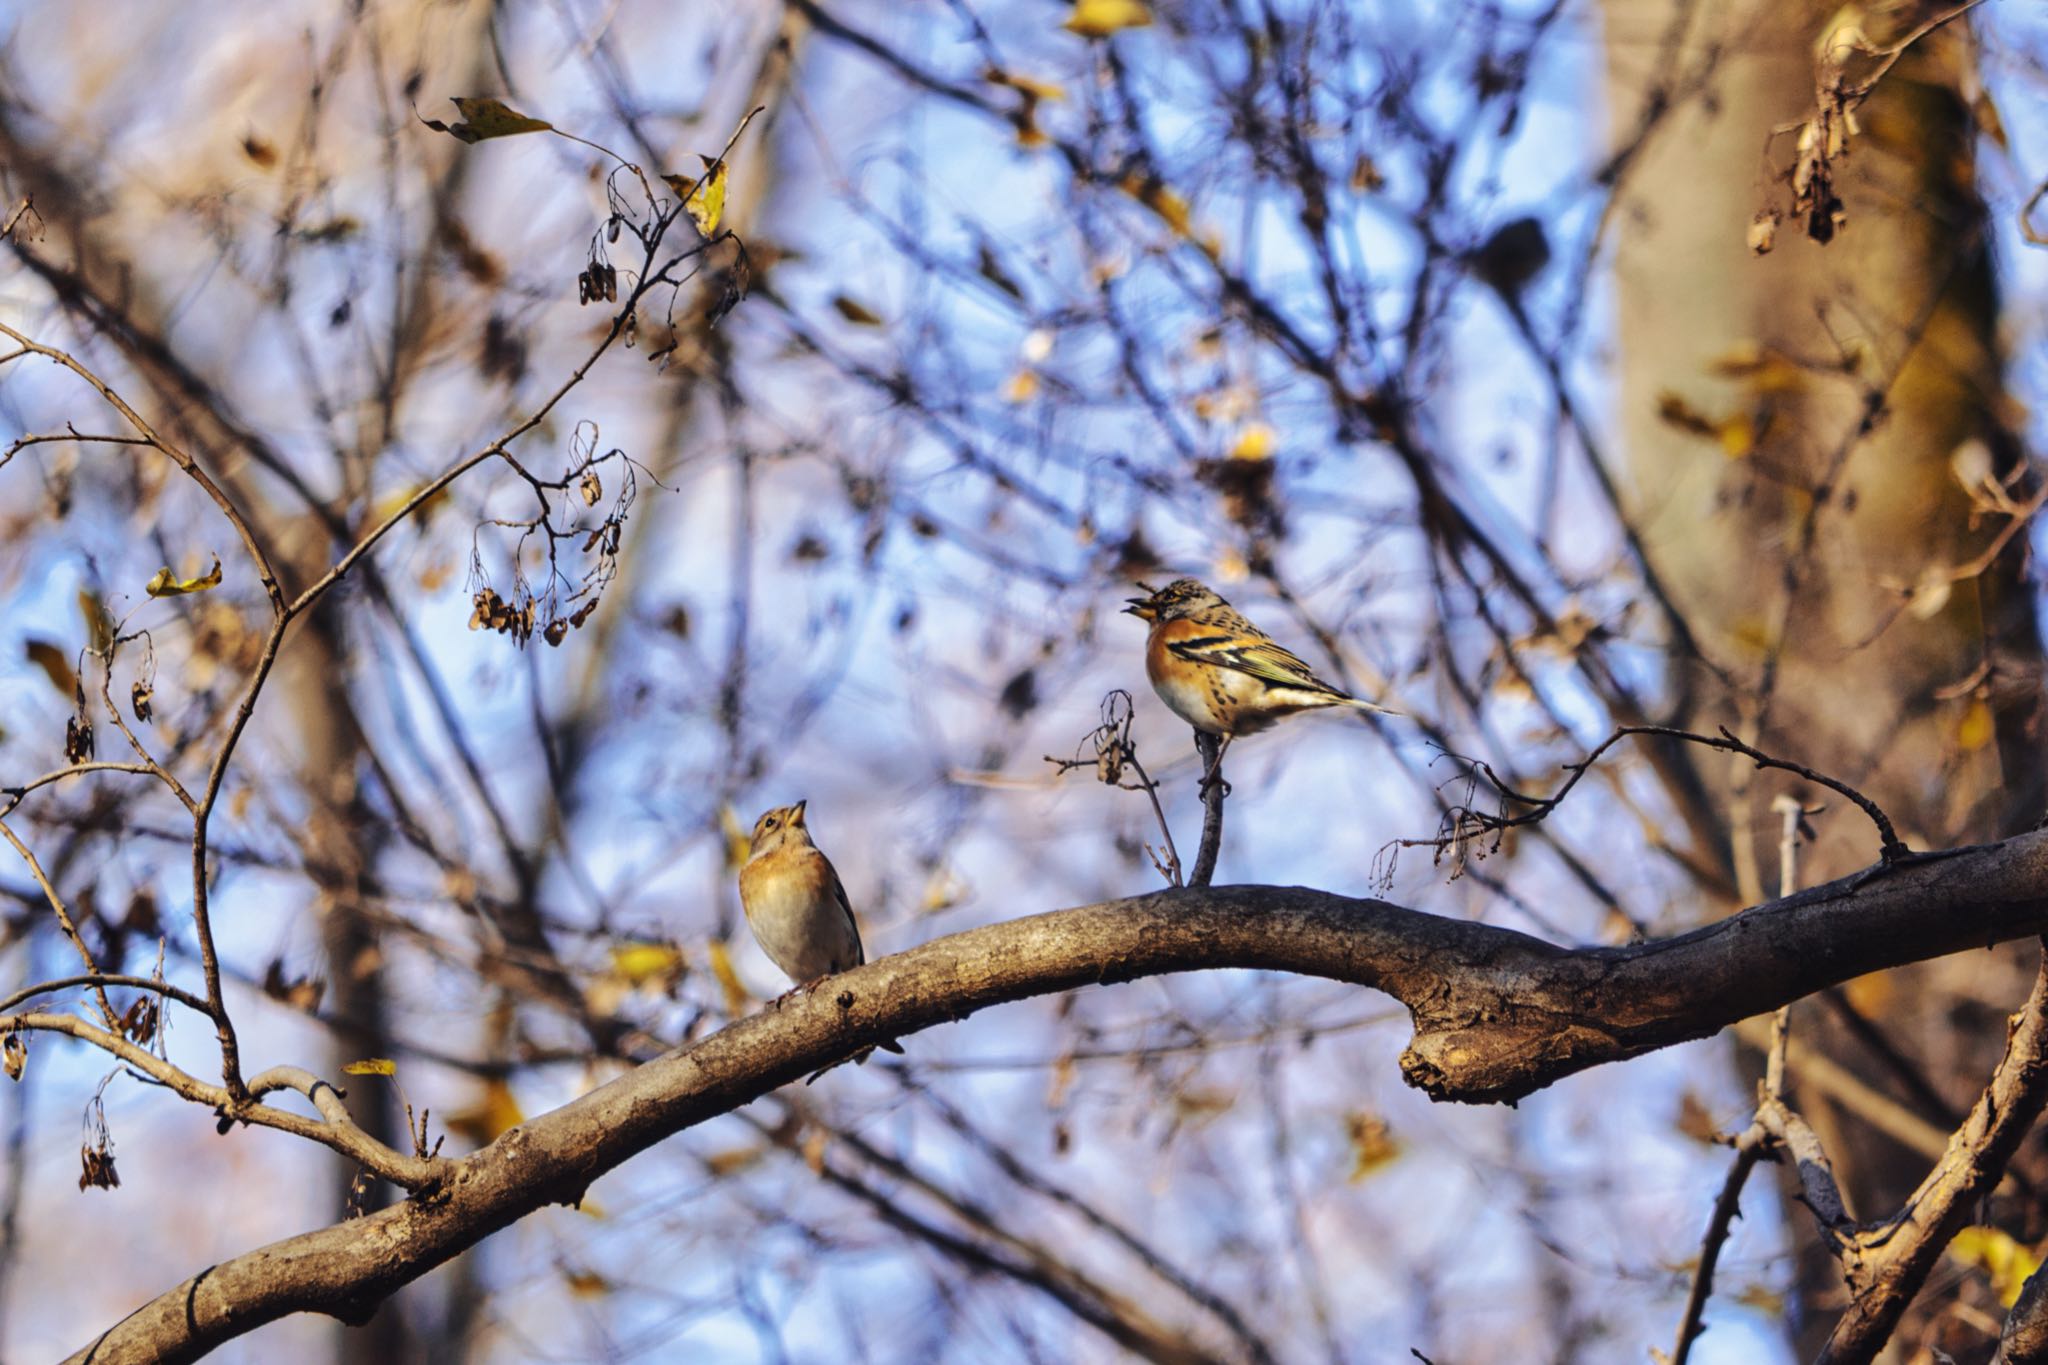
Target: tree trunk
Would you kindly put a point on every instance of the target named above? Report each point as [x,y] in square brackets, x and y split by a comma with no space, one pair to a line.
[1791,426]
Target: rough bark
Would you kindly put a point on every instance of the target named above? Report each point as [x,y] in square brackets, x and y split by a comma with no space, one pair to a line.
[1845,499]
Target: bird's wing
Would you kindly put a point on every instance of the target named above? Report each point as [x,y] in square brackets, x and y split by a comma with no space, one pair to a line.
[845,908]
[1260,657]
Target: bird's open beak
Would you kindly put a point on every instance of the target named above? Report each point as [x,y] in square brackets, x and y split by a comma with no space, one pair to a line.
[1141,607]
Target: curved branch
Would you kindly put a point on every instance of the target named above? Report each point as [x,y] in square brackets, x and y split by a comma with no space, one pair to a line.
[1497,1015]
[335,1128]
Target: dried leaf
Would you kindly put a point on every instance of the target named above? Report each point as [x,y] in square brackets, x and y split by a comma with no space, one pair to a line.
[1695,1120]
[733,1160]
[856,312]
[814,1150]
[97,1168]
[1998,1255]
[1100,18]
[1928,596]
[1373,1145]
[372,1066]
[138,1021]
[14,1055]
[487,118]
[1977,727]
[586,1284]
[166,584]
[736,997]
[1171,208]
[738,843]
[1763,232]
[99,622]
[638,964]
[302,993]
[1255,442]
[55,663]
[495,1113]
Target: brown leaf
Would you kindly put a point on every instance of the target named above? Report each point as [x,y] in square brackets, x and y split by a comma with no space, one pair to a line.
[55,663]
[856,312]
[487,118]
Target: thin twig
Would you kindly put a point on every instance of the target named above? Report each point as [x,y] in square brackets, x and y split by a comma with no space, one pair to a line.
[1748,1148]
[1464,823]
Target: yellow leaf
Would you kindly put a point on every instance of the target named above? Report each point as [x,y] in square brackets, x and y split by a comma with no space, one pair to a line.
[165,584]
[736,997]
[1372,1145]
[586,1284]
[1758,1298]
[856,312]
[391,504]
[1023,386]
[372,1066]
[55,665]
[705,201]
[1171,208]
[495,1113]
[1737,435]
[484,118]
[1035,89]
[738,844]
[704,198]
[732,1161]
[1993,1251]
[1766,369]
[1870,995]
[1976,728]
[1100,18]
[1255,442]
[639,963]
[1753,634]
[1231,567]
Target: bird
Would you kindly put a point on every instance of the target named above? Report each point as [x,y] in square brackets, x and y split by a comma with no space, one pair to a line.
[1219,672]
[797,906]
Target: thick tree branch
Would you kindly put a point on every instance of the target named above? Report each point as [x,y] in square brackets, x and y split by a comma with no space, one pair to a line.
[1887,1266]
[1497,1015]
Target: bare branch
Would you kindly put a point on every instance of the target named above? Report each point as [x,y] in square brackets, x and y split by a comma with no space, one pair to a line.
[1497,1014]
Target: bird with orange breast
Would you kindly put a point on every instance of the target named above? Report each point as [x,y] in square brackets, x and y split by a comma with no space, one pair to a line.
[1222,674]
[796,905]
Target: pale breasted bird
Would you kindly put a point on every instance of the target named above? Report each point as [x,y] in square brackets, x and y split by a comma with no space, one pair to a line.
[796,905]
[1219,672]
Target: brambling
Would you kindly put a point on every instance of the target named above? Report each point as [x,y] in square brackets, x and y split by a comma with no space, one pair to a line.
[795,903]
[1218,671]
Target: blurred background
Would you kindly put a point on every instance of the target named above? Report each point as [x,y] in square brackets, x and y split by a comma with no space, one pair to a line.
[1532,368]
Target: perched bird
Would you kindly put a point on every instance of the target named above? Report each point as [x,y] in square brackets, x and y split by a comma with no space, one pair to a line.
[1218,671]
[795,904]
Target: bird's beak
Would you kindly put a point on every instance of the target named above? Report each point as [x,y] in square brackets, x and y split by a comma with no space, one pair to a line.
[799,817]
[1140,607]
